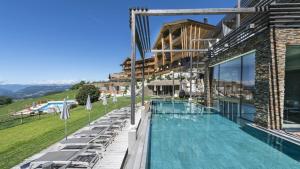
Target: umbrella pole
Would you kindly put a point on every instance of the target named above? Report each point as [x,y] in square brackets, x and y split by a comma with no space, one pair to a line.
[66,129]
[89,118]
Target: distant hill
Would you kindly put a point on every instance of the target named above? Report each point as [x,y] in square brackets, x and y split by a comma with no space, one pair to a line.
[13,87]
[5,92]
[17,91]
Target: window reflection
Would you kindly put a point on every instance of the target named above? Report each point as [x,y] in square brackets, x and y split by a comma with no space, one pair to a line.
[233,86]
[214,86]
[248,87]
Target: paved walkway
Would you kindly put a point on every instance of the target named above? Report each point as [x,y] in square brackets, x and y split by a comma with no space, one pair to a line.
[115,153]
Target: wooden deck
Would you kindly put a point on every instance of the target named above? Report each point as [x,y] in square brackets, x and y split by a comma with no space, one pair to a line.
[115,153]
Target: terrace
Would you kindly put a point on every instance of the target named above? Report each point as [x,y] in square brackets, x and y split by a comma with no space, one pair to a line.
[245,75]
[241,124]
[103,144]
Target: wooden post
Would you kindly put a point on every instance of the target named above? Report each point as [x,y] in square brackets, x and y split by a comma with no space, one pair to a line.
[181,38]
[186,40]
[163,48]
[191,61]
[171,44]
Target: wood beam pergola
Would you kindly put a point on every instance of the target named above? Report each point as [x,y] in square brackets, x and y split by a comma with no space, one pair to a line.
[140,35]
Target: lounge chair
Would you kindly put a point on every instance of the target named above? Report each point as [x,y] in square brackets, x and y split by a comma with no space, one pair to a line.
[77,141]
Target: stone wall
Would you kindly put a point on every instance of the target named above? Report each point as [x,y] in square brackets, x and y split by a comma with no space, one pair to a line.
[270,48]
[280,38]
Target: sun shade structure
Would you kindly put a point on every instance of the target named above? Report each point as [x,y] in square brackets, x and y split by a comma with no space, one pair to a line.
[140,35]
[64,115]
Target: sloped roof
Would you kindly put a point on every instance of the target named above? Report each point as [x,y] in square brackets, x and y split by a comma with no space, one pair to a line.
[178,22]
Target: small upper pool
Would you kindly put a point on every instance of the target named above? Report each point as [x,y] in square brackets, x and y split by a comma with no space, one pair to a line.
[57,105]
[186,136]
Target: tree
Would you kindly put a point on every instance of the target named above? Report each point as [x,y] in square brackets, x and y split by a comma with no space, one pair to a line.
[181,94]
[86,90]
[153,77]
[78,85]
[5,100]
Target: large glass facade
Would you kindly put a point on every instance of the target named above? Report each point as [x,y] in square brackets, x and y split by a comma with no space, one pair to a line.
[292,87]
[233,86]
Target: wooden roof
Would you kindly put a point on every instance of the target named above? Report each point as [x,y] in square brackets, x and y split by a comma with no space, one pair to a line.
[178,23]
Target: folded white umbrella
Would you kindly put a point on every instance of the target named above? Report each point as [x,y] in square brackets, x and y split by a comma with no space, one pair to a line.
[64,115]
[33,104]
[115,98]
[88,107]
[104,102]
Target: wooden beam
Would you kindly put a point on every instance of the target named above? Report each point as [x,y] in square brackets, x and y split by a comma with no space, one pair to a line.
[171,44]
[190,39]
[163,49]
[199,34]
[185,38]
[194,43]
[181,37]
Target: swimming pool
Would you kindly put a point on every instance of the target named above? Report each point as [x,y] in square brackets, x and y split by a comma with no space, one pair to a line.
[57,105]
[186,136]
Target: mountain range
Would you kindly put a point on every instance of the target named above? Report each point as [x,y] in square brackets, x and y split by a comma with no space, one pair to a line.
[20,91]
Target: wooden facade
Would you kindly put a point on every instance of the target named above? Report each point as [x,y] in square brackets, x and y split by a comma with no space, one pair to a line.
[149,66]
[181,35]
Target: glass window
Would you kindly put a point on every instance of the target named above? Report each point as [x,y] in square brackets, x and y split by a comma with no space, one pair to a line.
[248,87]
[230,82]
[233,86]
[292,87]
[214,86]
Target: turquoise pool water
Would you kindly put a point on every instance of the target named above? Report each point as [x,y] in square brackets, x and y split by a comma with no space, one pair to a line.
[184,136]
[55,104]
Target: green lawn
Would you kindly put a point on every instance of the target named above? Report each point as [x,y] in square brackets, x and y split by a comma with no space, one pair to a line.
[7,120]
[22,141]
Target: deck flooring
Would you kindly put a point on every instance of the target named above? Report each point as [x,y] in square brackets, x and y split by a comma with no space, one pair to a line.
[115,153]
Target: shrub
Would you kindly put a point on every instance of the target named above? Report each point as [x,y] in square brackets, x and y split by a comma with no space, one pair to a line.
[86,90]
[78,85]
[5,100]
[168,77]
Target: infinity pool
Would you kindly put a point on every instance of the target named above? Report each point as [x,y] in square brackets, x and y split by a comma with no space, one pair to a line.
[185,136]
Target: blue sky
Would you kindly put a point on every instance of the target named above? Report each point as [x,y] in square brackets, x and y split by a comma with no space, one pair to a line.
[58,41]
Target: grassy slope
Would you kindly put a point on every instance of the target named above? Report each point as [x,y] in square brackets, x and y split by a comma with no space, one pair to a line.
[21,104]
[20,142]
